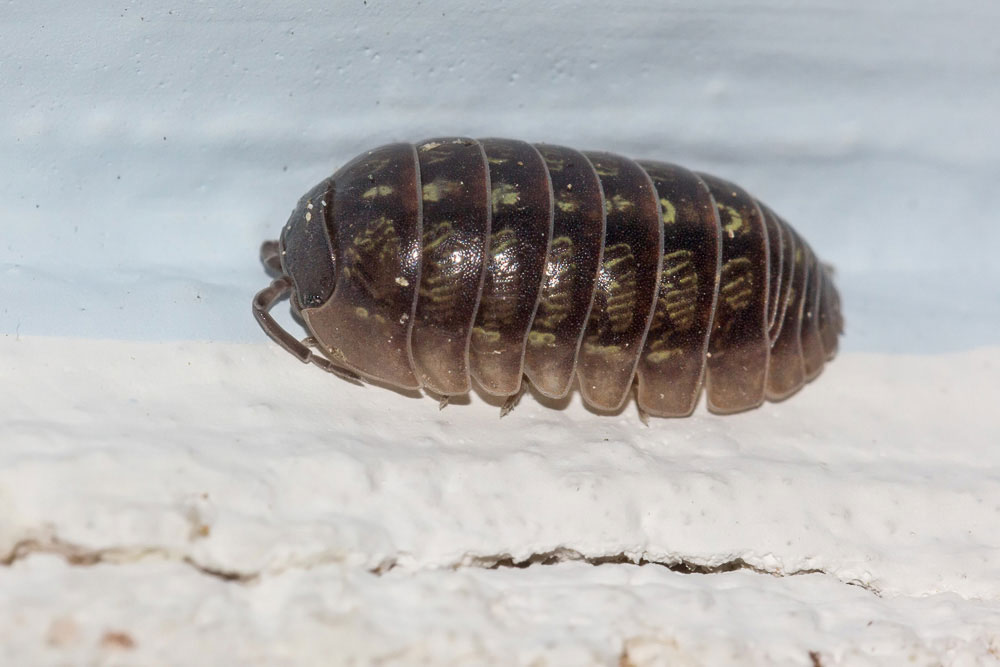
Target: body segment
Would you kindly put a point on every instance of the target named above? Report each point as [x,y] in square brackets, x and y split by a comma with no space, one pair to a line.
[456,229]
[626,285]
[521,228]
[672,364]
[571,270]
[366,321]
[739,348]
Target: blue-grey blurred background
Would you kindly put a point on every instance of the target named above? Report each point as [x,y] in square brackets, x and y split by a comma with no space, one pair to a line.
[148,148]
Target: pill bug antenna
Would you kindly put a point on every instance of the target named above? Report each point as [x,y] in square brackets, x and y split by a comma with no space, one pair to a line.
[270,256]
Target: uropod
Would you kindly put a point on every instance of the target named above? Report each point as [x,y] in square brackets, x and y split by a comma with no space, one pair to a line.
[430,265]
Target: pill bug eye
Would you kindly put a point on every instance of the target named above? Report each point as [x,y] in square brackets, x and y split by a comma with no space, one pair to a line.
[431,265]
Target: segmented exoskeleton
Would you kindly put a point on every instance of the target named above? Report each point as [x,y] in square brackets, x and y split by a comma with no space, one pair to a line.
[429,265]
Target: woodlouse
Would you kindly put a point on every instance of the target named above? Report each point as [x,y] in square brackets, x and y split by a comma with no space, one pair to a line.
[427,265]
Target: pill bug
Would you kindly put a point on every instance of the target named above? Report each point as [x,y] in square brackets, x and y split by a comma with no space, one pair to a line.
[433,264]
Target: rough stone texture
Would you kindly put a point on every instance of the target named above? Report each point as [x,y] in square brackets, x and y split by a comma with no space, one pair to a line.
[274,494]
[572,613]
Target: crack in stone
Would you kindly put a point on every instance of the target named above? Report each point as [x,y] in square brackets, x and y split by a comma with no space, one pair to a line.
[680,565]
[80,556]
[77,555]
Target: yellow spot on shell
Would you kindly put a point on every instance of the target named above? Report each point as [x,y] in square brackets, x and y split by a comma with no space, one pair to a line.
[431,192]
[613,262]
[309,216]
[505,194]
[377,191]
[602,350]
[484,336]
[737,286]
[498,307]
[659,356]
[402,282]
[435,237]
[438,287]
[618,276]
[669,211]
[555,164]
[676,304]
[361,312]
[371,260]
[618,203]
[734,221]
[541,338]
[603,169]
[374,165]
[501,241]
[568,206]
[554,299]
[440,188]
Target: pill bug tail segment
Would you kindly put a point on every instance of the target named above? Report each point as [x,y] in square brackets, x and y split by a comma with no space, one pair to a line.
[455,259]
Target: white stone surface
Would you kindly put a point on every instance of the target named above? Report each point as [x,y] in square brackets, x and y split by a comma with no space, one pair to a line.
[190,464]
[176,490]
[571,613]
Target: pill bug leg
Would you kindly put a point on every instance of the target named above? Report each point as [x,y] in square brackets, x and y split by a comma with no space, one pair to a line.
[262,304]
[511,402]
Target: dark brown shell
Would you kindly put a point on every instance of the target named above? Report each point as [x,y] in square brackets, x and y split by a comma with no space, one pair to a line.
[457,259]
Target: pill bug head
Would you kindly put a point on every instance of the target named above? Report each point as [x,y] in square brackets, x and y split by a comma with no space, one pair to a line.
[306,248]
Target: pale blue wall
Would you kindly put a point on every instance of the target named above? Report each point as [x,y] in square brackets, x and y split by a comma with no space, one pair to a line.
[146,151]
